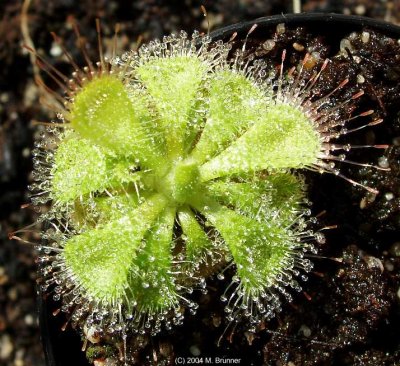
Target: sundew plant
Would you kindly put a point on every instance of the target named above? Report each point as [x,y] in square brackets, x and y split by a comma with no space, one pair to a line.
[175,163]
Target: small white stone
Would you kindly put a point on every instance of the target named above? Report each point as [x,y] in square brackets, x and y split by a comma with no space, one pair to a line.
[280,28]
[4,97]
[306,331]
[26,152]
[19,357]
[360,9]
[29,320]
[111,362]
[373,262]
[194,350]
[19,362]
[365,37]
[268,45]
[30,94]
[360,79]
[389,266]
[395,249]
[383,162]
[298,47]
[389,196]
[55,49]
[91,334]
[316,56]
[352,36]
[6,347]
[345,45]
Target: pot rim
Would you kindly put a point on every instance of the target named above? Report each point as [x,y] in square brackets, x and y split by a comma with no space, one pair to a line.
[353,22]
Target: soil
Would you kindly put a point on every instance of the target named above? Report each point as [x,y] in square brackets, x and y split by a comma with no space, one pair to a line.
[349,313]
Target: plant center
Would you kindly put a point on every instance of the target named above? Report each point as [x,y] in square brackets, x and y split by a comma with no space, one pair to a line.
[181,183]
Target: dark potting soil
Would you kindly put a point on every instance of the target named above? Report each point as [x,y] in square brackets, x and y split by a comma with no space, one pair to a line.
[349,312]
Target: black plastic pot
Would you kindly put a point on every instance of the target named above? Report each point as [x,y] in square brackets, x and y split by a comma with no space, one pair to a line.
[331,26]
[64,348]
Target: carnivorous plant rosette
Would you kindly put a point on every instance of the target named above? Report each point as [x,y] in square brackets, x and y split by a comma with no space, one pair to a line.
[174,163]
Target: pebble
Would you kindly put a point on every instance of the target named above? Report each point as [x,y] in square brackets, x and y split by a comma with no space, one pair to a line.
[389,196]
[194,350]
[345,45]
[3,276]
[30,94]
[91,335]
[383,162]
[111,362]
[19,358]
[365,37]
[55,49]
[280,28]
[268,45]
[395,249]
[26,152]
[12,294]
[6,347]
[306,331]
[4,97]
[29,320]
[360,79]
[367,200]
[373,262]
[298,47]
[360,9]
[389,266]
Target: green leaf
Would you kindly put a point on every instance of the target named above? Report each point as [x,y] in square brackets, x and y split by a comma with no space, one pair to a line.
[284,138]
[196,241]
[91,212]
[235,105]
[151,283]
[260,250]
[111,114]
[101,259]
[173,83]
[81,167]
[262,197]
